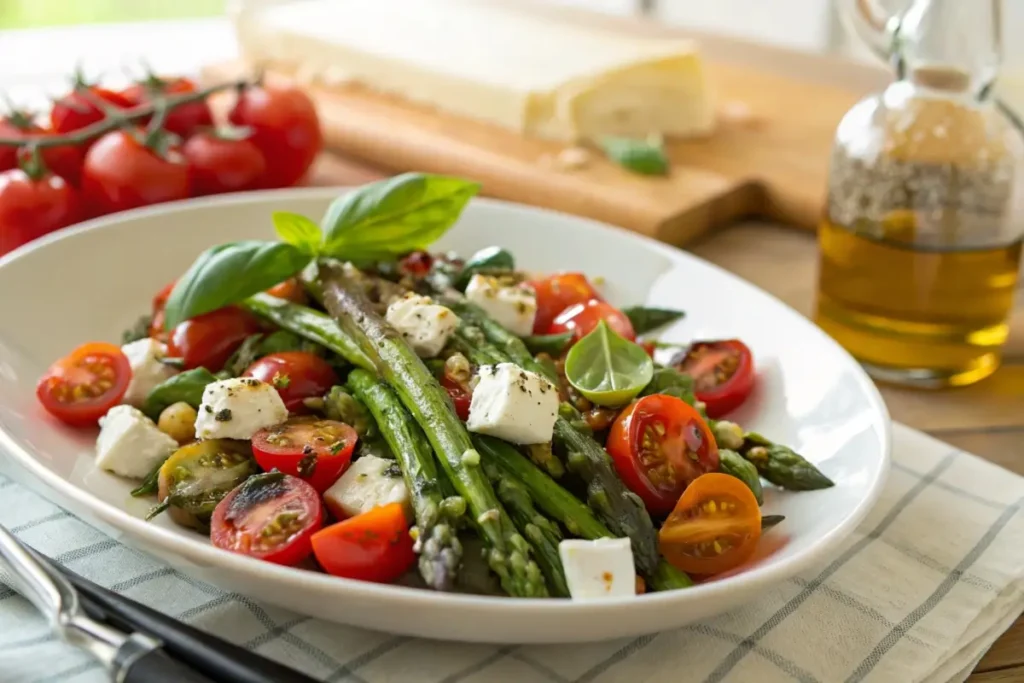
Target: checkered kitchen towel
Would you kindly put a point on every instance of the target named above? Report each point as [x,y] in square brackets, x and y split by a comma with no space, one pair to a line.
[921,590]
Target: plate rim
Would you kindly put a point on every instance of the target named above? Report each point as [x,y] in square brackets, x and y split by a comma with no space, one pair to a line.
[199,553]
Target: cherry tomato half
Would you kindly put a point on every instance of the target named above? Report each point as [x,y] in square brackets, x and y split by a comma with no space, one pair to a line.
[291,289]
[220,164]
[208,340]
[660,444]
[32,208]
[557,293]
[715,526]
[285,127]
[271,517]
[581,319]
[296,375]
[373,546]
[183,120]
[460,394]
[76,109]
[317,451]
[122,173]
[722,371]
[81,387]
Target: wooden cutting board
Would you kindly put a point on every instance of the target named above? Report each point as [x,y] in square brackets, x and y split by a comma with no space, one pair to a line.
[768,157]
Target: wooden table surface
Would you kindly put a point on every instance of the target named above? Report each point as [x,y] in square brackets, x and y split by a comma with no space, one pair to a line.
[986,419]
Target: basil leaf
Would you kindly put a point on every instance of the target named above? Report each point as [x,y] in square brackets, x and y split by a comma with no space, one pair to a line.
[488,261]
[386,219]
[671,382]
[298,231]
[647,318]
[283,340]
[607,369]
[551,344]
[228,273]
[646,157]
[187,386]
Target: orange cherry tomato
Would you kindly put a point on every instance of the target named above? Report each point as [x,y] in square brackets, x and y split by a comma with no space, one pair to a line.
[373,546]
[714,527]
[81,387]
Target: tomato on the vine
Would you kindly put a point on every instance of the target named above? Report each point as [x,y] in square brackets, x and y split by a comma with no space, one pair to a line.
[715,526]
[581,319]
[184,119]
[208,340]
[271,517]
[285,127]
[31,208]
[556,293]
[296,375]
[121,172]
[221,163]
[77,109]
[63,160]
[373,546]
[722,371]
[80,388]
[660,444]
[315,450]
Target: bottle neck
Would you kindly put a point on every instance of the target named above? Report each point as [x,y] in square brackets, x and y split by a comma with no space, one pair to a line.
[950,46]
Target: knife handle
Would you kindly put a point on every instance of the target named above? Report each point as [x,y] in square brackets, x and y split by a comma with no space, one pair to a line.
[156,666]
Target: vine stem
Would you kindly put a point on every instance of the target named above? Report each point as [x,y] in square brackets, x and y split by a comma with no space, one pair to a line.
[114,119]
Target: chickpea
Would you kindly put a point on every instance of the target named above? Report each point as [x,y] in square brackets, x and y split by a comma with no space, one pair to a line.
[178,421]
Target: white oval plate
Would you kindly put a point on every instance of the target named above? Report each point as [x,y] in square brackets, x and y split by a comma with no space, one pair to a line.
[92,281]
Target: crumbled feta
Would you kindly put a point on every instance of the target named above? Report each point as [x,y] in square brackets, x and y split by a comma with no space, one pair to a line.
[237,408]
[146,357]
[513,306]
[368,483]
[424,324]
[513,404]
[130,444]
[598,569]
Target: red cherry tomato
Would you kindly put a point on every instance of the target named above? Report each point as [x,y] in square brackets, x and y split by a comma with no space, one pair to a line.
[121,173]
[183,120]
[156,325]
[285,128]
[223,165]
[271,517]
[291,289]
[722,371]
[209,340]
[373,546]
[77,110]
[715,526]
[81,387]
[557,293]
[581,319]
[659,445]
[460,394]
[32,208]
[416,263]
[64,161]
[317,451]
[296,375]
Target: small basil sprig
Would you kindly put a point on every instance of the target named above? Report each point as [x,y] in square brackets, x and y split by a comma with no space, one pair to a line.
[187,386]
[378,221]
[646,157]
[647,318]
[607,369]
[671,382]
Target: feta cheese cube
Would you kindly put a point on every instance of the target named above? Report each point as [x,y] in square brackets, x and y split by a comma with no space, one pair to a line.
[146,357]
[237,408]
[513,306]
[513,404]
[424,324]
[130,444]
[368,483]
[598,569]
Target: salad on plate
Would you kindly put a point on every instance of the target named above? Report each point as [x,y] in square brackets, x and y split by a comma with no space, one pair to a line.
[344,399]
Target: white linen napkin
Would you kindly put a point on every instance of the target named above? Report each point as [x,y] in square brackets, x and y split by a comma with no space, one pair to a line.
[923,587]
